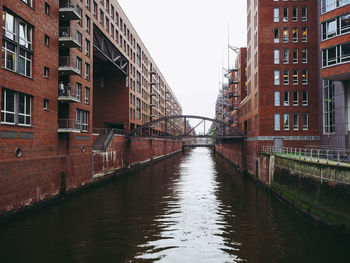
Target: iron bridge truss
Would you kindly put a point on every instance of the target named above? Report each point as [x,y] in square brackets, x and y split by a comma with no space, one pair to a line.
[177,127]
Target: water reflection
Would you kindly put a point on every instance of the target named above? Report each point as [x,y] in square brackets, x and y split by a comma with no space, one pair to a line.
[188,208]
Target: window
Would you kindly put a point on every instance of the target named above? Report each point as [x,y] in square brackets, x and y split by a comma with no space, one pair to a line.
[82,120]
[138,108]
[276,35]
[345,24]
[295,121]
[46,104]
[286,122]
[276,14]
[28,2]
[47,8]
[295,56]
[46,72]
[304,34]
[47,40]
[285,14]
[286,56]
[78,91]
[112,30]
[277,77]
[285,35]
[304,13]
[79,63]
[101,17]
[138,81]
[16,108]
[305,121]
[17,45]
[117,18]
[107,24]
[112,12]
[277,56]
[107,5]
[87,24]
[285,77]
[295,77]
[94,12]
[304,55]
[329,56]
[277,122]
[87,95]
[286,98]
[295,34]
[305,98]
[80,11]
[79,39]
[328,107]
[87,4]
[295,98]
[277,98]
[295,14]
[304,76]
[138,55]
[87,47]
[87,71]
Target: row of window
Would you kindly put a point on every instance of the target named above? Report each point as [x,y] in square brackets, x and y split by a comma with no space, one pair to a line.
[336,55]
[17,44]
[295,77]
[16,109]
[337,26]
[329,5]
[295,123]
[286,98]
[285,35]
[285,16]
[285,53]
[328,107]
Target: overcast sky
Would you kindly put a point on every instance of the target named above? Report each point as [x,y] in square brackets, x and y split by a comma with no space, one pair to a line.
[188,41]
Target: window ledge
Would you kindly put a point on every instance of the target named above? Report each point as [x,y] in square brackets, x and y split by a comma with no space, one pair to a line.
[9,70]
[16,125]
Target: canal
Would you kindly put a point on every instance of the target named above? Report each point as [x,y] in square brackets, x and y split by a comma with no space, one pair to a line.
[192,207]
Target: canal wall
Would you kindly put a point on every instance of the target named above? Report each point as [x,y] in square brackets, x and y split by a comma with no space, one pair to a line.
[27,182]
[319,190]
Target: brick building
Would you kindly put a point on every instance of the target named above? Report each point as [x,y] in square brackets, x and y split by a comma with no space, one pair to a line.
[71,70]
[281,106]
[335,73]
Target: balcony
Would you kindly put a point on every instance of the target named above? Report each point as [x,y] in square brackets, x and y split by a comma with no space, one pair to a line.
[68,38]
[69,10]
[68,66]
[67,93]
[68,126]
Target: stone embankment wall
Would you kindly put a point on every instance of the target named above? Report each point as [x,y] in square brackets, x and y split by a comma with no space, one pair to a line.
[321,191]
[30,181]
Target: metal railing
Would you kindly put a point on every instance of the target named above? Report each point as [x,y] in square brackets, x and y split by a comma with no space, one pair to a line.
[69,91]
[68,32]
[70,4]
[320,155]
[68,61]
[101,131]
[67,124]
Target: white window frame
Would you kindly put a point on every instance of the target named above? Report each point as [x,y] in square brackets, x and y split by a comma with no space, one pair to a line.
[277,99]
[276,77]
[277,122]
[286,122]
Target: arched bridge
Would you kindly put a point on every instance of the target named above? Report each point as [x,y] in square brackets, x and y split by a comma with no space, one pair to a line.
[179,127]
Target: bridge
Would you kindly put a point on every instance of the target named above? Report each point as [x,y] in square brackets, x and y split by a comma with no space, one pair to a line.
[178,127]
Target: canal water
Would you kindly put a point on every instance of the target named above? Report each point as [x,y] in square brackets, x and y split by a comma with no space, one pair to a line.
[192,207]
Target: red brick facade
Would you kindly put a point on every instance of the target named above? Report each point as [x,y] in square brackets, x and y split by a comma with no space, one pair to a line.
[53,132]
